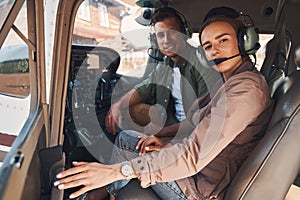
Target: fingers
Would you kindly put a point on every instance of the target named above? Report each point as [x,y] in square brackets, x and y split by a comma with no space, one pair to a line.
[87,175]
[110,123]
[143,145]
[152,143]
[107,122]
[70,182]
[80,167]
[153,148]
[113,117]
[74,177]
[119,121]
[79,192]
[141,141]
[149,141]
[75,163]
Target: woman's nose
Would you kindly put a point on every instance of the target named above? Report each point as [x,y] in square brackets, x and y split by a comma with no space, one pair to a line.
[215,50]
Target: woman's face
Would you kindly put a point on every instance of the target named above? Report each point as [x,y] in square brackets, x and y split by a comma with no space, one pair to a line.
[219,40]
[169,38]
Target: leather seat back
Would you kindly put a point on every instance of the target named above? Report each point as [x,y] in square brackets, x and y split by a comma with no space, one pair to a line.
[275,65]
[274,163]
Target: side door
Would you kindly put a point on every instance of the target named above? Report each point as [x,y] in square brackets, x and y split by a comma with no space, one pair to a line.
[24,121]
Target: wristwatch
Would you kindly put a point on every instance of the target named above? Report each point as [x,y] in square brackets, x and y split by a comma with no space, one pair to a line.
[126,170]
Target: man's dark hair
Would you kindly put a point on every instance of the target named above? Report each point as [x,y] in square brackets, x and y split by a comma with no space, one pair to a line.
[165,13]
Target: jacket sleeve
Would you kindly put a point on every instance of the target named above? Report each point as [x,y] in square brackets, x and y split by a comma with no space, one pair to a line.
[234,107]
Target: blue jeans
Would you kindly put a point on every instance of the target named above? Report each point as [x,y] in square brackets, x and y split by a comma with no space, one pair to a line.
[124,149]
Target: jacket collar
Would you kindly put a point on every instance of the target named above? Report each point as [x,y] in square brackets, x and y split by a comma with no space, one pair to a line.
[245,66]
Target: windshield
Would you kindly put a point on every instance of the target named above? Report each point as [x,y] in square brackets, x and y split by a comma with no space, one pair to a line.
[5,7]
[113,24]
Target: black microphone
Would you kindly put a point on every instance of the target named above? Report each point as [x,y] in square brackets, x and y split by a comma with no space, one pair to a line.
[220,60]
[160,59]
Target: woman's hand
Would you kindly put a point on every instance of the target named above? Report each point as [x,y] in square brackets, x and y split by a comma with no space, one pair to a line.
[89,175]
[150,143]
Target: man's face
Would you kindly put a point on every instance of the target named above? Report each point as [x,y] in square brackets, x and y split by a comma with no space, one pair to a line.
[169,37]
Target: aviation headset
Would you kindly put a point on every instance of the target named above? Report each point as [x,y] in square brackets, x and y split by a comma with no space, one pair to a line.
[172,12]
[248,38]
[248,35]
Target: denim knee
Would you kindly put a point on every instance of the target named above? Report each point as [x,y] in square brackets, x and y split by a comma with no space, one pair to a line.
[127,140]
[115,187]
[169,190]
[124,149]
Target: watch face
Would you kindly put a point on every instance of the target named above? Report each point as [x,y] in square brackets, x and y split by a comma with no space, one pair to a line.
[127,170]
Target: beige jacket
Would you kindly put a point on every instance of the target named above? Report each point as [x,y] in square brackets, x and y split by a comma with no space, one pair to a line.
[227,129]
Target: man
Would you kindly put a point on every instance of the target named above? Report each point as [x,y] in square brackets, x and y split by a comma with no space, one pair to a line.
[174,84]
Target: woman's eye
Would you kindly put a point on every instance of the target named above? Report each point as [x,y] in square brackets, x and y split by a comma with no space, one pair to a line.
[208,47]
[223,40]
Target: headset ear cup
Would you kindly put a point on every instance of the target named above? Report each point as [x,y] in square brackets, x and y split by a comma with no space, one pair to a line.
[188,31]
[185,30]
[252,41]
[240,36]
[184,25]
[248,39]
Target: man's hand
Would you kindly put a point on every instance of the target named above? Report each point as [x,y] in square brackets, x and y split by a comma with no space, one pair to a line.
[114,115]
[112,118]
[150,143]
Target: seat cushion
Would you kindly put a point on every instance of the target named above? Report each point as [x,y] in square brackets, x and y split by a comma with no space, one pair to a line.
[134,191]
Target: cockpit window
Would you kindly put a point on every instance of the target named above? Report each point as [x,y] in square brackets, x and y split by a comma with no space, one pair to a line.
[16,78]
[113,25]
[14,65]
[5,7]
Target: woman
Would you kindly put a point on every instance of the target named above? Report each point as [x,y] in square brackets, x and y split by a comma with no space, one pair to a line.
[226,129]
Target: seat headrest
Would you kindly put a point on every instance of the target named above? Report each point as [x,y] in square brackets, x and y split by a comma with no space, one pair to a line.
[287,97]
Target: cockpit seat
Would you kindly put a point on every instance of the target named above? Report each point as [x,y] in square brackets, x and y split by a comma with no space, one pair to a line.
[273,165]
[134,191]
[275,65]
